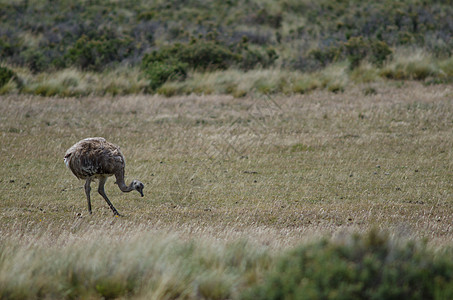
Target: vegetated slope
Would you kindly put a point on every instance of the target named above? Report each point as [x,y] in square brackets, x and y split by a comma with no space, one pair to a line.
[92,35]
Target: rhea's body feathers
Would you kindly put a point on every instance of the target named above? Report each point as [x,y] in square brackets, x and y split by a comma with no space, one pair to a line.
[95,158]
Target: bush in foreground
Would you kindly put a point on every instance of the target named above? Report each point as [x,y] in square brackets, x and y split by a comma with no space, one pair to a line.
[165,266]
[366,267]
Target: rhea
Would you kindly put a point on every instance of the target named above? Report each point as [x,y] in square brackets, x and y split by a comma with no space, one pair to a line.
[95,158]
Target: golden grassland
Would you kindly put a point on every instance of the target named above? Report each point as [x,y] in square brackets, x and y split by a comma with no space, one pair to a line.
[261,174]
[321,160]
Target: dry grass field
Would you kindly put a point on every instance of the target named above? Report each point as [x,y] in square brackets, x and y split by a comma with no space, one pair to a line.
[261,174]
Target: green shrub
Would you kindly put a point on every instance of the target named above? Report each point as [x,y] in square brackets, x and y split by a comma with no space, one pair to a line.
[6,49]
[198,55]
[172,62]
[159,72]
[357,49]
[6,75]
[325,56]
[146,16]
[264,17]
[96,54]
[35,60]
[257,57]
[380,52]
[367,267]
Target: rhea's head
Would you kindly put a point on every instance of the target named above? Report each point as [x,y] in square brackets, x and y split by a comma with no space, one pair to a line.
[138,185]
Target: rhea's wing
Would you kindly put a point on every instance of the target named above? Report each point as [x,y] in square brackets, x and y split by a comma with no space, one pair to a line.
[91,157]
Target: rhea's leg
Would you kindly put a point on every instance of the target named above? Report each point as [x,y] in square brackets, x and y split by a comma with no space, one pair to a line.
[87,192]
[101,191]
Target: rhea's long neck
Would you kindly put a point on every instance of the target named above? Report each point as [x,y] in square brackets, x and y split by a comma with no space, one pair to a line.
[121,184]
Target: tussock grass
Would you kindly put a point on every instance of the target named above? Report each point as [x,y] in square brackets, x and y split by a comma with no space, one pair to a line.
[76,83]
[99,258]
[118,262]
[405,65]
[230,182]
[259,82]
[417,65]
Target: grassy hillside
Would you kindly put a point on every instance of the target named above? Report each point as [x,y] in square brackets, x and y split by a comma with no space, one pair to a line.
[46,34]
[303,36]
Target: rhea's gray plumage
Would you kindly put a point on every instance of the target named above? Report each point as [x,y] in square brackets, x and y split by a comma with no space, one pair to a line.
[95,158]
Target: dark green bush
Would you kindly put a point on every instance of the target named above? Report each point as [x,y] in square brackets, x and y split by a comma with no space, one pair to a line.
[257,57]
[264,17]
[159,72]
[380,52]
[357,49]
[198,55]
[96,54]
[35,60]
[172,62]
[325,56]
[6,49]
[6,75]
[368,267]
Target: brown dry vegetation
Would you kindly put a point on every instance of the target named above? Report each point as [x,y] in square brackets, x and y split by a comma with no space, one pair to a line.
[321,162]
